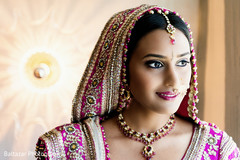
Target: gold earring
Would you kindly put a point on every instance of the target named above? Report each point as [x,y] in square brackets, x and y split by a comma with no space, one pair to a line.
[127,95]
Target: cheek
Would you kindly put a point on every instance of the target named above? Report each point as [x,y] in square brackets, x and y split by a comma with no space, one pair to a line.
[137,79]
[140,80]
[186,78]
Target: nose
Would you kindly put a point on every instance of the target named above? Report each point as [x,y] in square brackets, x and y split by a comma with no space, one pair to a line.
[172,78]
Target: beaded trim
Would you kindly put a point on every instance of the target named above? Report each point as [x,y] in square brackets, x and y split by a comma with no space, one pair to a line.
[105,144]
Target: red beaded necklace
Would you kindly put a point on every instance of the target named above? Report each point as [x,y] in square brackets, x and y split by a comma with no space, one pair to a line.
[149,138]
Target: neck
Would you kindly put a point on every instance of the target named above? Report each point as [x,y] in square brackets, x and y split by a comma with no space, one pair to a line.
[144,120]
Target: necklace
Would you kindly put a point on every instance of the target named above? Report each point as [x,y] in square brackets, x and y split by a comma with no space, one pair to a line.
[149,138]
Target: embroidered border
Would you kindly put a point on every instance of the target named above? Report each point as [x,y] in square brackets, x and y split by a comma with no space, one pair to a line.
[90,144]
[197,145]
[93,133]
[54,144]
[228,147]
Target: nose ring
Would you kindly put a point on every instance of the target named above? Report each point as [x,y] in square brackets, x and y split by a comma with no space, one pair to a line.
[175,91]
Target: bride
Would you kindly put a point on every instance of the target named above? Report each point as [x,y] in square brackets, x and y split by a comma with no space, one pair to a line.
[137,98]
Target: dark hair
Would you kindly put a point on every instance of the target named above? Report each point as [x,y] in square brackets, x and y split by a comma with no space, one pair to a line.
[150,22]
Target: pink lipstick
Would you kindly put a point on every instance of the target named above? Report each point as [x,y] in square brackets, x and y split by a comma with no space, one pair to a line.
[167,95]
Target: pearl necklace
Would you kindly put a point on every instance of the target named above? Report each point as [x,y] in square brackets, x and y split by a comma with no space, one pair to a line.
[149,138]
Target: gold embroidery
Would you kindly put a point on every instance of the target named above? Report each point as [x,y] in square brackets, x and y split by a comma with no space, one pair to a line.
[54,144]
[94,83]
[109,48]
[73,147]
[91,100]
[115,26]
[90,144]
[69,129]
[73,139]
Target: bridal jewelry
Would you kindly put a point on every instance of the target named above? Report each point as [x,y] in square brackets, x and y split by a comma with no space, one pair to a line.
[149,138]
[170,28]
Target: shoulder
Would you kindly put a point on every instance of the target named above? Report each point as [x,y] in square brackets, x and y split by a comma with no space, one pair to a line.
[53,143]
[228,148]
[184,126]
[68,141]
[62,131]
[217,144]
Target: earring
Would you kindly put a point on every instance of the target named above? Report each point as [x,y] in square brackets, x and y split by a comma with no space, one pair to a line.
[124,99]
[127,95]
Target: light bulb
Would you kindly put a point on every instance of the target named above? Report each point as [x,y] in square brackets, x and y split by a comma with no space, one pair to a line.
[41,71]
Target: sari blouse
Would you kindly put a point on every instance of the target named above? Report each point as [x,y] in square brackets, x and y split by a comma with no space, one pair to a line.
[86,141]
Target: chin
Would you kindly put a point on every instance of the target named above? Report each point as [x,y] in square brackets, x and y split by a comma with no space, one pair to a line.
[167,108]
[167,111]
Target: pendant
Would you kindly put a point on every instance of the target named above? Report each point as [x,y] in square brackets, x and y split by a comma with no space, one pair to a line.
[148,152]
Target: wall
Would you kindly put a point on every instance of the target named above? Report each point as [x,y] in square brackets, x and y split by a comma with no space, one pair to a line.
[215,65]
[232,79]
[222,73]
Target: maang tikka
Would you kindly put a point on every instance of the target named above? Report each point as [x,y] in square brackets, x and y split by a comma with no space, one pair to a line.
[170,28]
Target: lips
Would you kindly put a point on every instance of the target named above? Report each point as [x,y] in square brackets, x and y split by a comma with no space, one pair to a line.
[167,95]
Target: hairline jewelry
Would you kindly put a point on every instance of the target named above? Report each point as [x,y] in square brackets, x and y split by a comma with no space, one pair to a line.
[170,28]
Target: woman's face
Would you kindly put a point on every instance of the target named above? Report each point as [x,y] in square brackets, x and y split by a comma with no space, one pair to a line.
[159,72]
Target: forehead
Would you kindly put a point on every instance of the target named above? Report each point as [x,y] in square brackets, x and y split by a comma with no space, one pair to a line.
[158,41]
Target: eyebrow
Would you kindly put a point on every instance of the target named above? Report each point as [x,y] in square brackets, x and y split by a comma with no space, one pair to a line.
[164,57]
[184,54]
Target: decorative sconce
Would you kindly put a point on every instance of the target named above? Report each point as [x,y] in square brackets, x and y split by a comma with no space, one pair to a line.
[42,69]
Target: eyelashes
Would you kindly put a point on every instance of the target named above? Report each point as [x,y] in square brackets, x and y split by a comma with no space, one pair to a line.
[155,64]
[182,63]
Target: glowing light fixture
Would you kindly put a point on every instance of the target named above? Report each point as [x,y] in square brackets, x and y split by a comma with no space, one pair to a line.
[42,69]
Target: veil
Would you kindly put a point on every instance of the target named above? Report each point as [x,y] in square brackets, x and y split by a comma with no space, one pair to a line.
[100,89]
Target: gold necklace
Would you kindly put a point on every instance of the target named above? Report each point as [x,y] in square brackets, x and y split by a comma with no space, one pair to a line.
[149,138]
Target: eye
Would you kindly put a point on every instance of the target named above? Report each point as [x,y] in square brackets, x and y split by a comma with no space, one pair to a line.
[154,64]
[182,63]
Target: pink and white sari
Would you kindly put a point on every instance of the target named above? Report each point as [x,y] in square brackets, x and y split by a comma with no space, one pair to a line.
[98,94]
